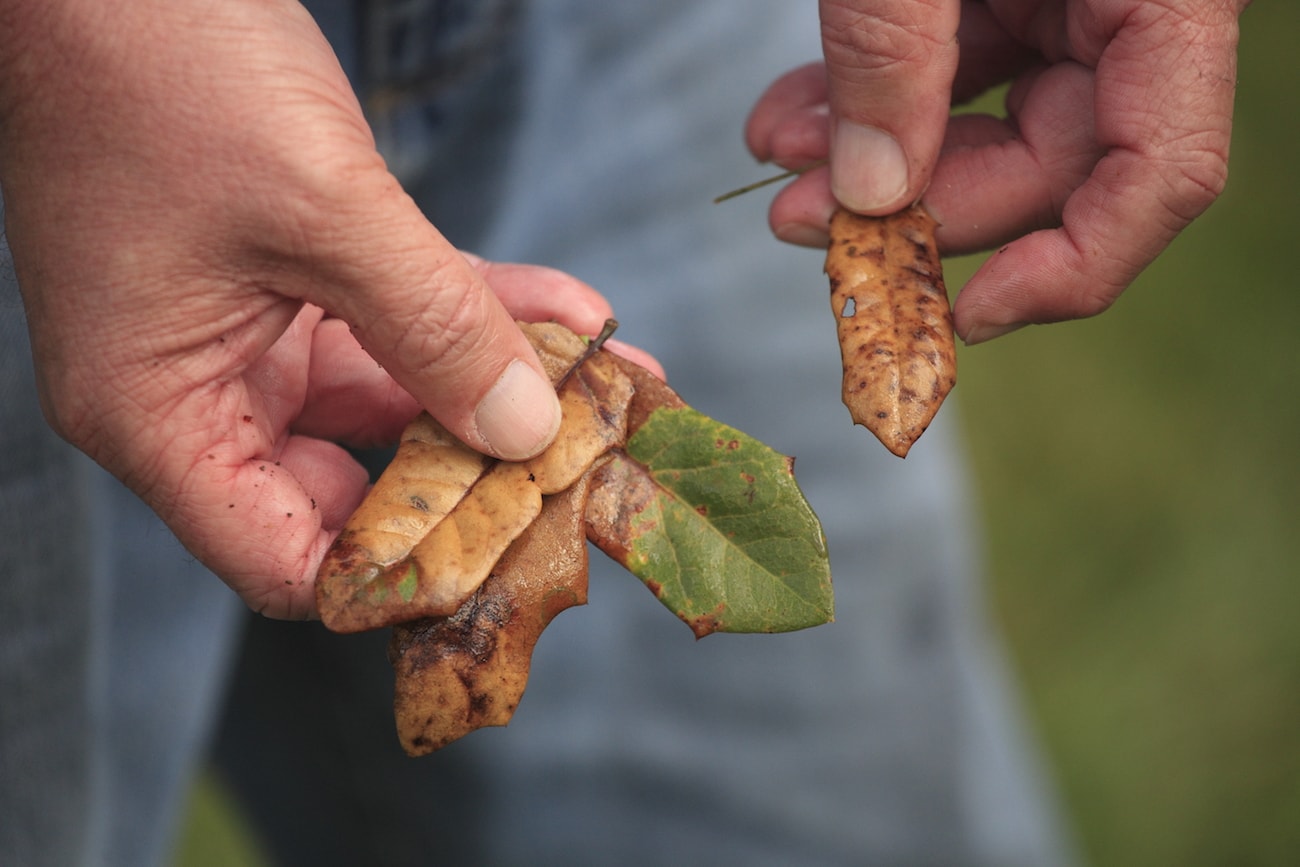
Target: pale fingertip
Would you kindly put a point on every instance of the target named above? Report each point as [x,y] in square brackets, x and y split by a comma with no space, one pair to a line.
[868,167]
[520,414]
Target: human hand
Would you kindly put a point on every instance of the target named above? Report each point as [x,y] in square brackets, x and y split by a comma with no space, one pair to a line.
[1116,137]
[189,188]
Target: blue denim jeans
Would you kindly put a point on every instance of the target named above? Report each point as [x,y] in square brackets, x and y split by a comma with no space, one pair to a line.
[590,136]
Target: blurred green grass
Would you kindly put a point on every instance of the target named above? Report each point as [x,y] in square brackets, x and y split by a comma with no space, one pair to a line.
[214,833]
[1140,492]
[1140,488]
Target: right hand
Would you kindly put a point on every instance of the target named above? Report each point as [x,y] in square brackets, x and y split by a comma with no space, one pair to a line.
[1117,134]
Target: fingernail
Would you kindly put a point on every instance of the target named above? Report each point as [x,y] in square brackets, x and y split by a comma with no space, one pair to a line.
[520,415]
[868,167]
[985,333]
[802,234]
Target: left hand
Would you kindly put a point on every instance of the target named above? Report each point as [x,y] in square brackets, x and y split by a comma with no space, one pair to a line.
[223,282]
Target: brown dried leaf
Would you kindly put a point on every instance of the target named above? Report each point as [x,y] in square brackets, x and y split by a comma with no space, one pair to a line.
[457,555]
[460,673]
[453,558]
[556,346]
[649,393]
[894,322]
[470,613]
[594,402]
[427,477]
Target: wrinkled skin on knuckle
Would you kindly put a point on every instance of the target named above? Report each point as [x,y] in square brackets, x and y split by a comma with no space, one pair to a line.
[448,325]
[1193,182]
[1190,143]
[880,42]
[1092,300]
[1103,275]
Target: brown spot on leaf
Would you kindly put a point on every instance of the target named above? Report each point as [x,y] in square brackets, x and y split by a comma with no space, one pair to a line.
[620,491]
[705,624]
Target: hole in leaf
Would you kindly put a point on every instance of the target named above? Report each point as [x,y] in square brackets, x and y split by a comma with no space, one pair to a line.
[850,307]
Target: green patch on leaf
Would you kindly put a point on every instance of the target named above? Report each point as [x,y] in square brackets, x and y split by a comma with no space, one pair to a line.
[409,584]
[727,542]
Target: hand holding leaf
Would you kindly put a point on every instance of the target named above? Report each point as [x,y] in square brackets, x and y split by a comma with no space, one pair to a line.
[709,519]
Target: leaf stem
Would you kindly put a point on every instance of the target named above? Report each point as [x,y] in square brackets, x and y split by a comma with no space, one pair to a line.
[763,183]
[606,332]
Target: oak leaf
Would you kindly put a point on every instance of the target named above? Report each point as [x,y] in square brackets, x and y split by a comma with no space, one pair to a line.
[458,554]
[459,673]
[711,520]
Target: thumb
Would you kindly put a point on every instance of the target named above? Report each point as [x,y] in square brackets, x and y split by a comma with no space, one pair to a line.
[890,66]
[425,313]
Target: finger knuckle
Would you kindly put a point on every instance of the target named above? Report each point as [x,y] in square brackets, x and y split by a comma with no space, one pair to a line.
[1196,182]
[1093,300]
[1089,293]
[880,41]
[449,325]
[1096,275]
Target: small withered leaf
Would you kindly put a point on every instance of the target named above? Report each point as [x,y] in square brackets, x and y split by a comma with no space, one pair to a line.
[894,322]
[458,554]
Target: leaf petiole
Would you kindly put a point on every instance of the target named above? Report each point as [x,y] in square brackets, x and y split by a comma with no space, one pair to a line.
[593,346]
[763,183]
